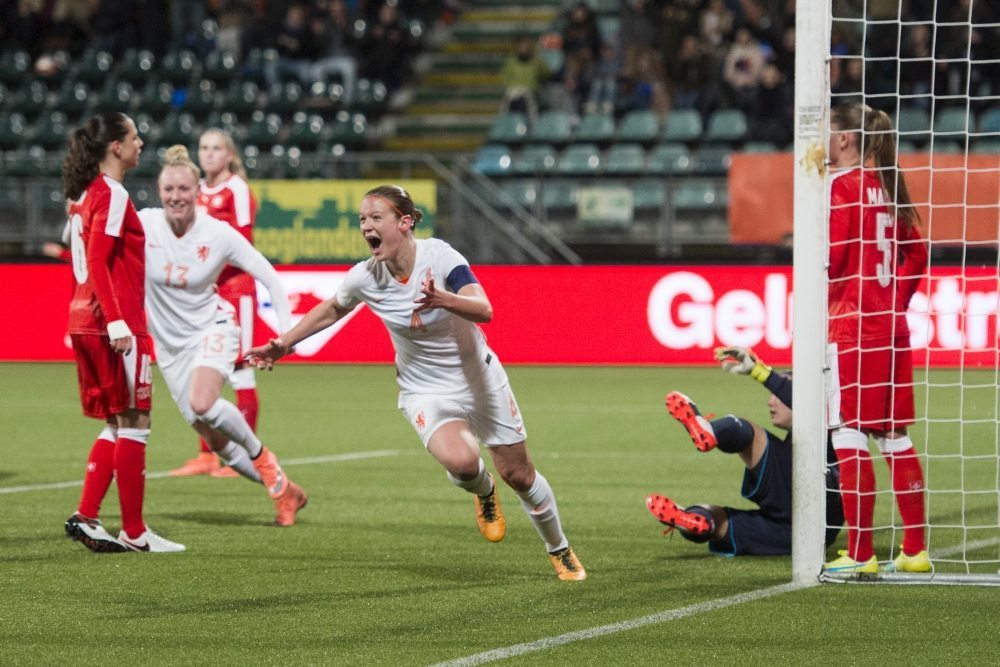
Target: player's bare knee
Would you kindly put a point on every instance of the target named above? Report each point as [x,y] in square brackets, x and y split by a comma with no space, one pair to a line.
[200,405]
[519,478]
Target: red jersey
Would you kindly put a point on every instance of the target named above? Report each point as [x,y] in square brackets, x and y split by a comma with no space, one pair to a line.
[108,248]
[232,202]
[875,263]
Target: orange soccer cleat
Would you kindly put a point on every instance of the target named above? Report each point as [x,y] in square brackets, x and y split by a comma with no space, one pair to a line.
[289,504]
[204,464]
[489,516]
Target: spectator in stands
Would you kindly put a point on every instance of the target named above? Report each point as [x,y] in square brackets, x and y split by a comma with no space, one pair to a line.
[636,29]
[581,32]
[643,84]
[670,33]
[772,119]
[113,26]
[603,96]
[334,30]
[576,78]
[694,86]
[233,16]
[524,73]
[850,82]
[784,54]
[296,45]
[715,25]
[186,18]
[741,69]
[385,48]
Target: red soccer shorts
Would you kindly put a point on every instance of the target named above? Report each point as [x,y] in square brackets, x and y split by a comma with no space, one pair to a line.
[873,386]
[111,383]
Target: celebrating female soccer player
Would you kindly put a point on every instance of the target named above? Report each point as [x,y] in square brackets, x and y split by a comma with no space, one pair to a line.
[225,195]
[877,258]
[197,339]
[108,328]
[453,389]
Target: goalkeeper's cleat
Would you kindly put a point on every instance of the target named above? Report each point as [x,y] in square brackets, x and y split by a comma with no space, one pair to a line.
[672,515]
[91,534]
[919,562]
[203,464]
[489,516]
[224,471]
[567,565]
[271,474]
[150,542]
[844,564]
[686,412]
[289,504]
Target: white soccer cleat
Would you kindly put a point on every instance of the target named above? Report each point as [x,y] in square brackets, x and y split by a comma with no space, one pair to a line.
[150,542]
[91,534]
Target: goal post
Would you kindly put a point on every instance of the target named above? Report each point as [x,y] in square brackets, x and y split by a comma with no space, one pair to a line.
[812,33]
[937,75]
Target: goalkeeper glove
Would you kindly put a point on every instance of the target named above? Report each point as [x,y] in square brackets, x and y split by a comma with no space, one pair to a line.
[742,361]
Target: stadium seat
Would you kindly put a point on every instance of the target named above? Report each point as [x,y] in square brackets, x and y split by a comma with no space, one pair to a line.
[264,130]
[598,128]
[508,128]
[30,99]
[349,130]
[137,66]
[535,159]
[220,67]
[713,160]
[493,160]
[15,65]
[953,125]
[115,96]
[242,98]
[989,122]
[649,194]
[370,97]
[580,160]
[13,127]
[559,194]
[668,159]
[699,195]
[93,67]
[639,126]
[201,98]
[178,128]
[284,99]
[523,193]
[987,145]
[759,147]
[73,98]
[25,162]
[255,64]
[683,125]
[553,127]
[307,130]
[726,126]
[224,120]
[51,132]
[178,67]
[913,124]
[625,160]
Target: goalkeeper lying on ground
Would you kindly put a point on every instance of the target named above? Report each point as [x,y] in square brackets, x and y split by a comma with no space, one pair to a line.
[767,480]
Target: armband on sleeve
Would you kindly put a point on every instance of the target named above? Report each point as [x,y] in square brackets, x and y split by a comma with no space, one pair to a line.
[459,277]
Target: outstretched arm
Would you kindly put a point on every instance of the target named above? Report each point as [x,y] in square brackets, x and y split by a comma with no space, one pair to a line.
[320,317]
[744,361]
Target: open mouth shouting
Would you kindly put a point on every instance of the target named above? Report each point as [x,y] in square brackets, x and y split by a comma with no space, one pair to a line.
[374,242]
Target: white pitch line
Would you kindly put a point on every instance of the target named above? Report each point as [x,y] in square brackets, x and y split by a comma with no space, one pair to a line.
[622,626]
[331,458]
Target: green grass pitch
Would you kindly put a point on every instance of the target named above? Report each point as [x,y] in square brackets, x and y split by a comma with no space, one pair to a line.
[386,567]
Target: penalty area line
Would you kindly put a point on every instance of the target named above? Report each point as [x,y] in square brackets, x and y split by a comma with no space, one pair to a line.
[621,626]
[312,460]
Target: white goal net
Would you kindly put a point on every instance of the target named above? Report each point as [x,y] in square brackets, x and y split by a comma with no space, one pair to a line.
[934,67]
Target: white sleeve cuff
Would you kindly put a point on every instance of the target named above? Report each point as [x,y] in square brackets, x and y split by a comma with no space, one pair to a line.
[118,329]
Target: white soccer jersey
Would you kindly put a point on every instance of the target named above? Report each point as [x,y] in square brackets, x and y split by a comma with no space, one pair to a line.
[181,298]
[436,352]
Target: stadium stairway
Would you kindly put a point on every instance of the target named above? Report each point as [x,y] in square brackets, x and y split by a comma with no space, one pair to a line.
[459,87]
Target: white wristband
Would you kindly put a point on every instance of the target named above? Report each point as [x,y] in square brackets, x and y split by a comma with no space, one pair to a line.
[118,329]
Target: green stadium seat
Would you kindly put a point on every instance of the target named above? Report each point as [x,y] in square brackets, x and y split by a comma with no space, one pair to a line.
[115,96]
[51,132]
[264,130]
[220,67]
[683,125]
[349,130]
[553,127]
[625,160]
[307,130]
[639,126]
[598,128]
[649,194]
[987,145]
[559,195]
[15,66]
[178,128]
[179,67]
[224,120]
[493,160]
[699,195]
[30,99]
[523,193]
[137,66]
[201,98]
[535,159]
[580,160]
[370,97]
[668,159]
[93,67]
[73,98]
[726,126]
[284,98]
[13,128]
[913,125]
[242,98]
[508,128]
[953,125]
[760,147]
[713,160]
[989,122]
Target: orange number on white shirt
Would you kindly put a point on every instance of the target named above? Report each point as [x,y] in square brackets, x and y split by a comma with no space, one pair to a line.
[214,343]
[883,222]
[176,275]
[77,250]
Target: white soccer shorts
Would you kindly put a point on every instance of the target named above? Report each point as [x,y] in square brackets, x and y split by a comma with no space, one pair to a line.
[493,415]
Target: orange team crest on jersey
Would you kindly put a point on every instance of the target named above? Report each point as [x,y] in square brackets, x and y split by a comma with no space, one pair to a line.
[420,421]
[203,252]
